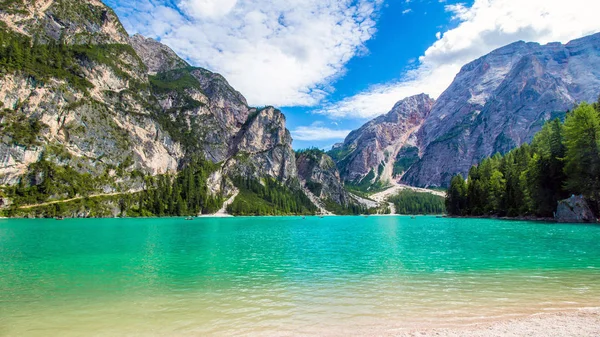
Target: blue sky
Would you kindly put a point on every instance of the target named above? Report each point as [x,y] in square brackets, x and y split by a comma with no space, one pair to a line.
[331,65]
[404,32]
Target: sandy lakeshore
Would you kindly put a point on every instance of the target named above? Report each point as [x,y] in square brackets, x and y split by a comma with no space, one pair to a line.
[580,323]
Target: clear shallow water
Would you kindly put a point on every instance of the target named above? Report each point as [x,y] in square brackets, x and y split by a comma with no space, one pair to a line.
[278,276]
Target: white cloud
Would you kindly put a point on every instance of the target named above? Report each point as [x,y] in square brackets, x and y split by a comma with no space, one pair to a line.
[406,11]
[207,8]
[483,27]
[276,52]
[317,132]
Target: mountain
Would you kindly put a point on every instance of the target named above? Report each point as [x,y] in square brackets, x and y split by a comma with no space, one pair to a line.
[88,110]
[495,104]
[384,147]
[74,93]
[156,56]
[322,178]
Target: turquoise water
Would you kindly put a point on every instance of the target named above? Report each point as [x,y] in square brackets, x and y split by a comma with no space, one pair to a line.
[286,276]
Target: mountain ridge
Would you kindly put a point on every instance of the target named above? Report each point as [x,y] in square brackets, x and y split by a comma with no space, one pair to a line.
[496,103]
[89,110]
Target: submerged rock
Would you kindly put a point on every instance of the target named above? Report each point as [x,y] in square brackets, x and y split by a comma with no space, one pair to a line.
[574,210]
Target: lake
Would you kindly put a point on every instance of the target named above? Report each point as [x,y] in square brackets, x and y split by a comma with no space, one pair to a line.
[287,275]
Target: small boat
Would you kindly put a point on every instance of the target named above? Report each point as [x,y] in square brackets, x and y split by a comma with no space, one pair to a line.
[413,217]
[189,218]
[60,218]
[321,217]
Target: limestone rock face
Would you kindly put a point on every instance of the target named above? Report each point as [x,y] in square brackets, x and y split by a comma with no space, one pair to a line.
[155,55]
[72,21]
[93,128]
[494,104]
[574,210]
[500,101]
[201,105]
[379,142]
[263,147]
[320,175]
[142,109]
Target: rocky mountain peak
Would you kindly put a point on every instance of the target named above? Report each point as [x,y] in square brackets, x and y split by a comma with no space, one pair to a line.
[119,108]
[155,55]
[371,151]
[71,21]
[411,108]
[264,129]
[500,101]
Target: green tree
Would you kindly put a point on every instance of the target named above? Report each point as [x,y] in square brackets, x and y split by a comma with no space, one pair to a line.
[545,172]
[582,157]
[456,197]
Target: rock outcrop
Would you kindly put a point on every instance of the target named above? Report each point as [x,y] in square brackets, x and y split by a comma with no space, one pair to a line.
[320,175]
[155,55]
[68,21]
[574,210]
[263,147]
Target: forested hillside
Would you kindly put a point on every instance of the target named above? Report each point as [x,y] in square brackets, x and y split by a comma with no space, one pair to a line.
[88,112]
[411,202]
[562,160]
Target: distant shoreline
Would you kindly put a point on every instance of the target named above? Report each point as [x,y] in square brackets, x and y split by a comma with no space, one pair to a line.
[518,218]
[228,216]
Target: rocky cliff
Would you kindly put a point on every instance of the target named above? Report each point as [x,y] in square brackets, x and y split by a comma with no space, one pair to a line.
[500,101]
[319,173]
[85,104]
[494,104]
[383,148]
[155,55]
[263,147]
[73,93]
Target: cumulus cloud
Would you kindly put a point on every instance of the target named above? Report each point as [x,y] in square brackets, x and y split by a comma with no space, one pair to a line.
[318,132]
[207,8]
[483,27]
[276,52]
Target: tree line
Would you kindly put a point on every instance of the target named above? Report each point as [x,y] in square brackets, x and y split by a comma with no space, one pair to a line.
[185,193]
[411,202]
[563,159]
[268,197]
[44,60]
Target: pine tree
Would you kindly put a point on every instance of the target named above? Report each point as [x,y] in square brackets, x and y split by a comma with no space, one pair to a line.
[456,197]
[582,156]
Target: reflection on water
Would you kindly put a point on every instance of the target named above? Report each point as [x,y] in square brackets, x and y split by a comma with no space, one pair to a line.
[286,275]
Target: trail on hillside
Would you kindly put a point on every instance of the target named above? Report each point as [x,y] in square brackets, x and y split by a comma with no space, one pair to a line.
[76,198]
